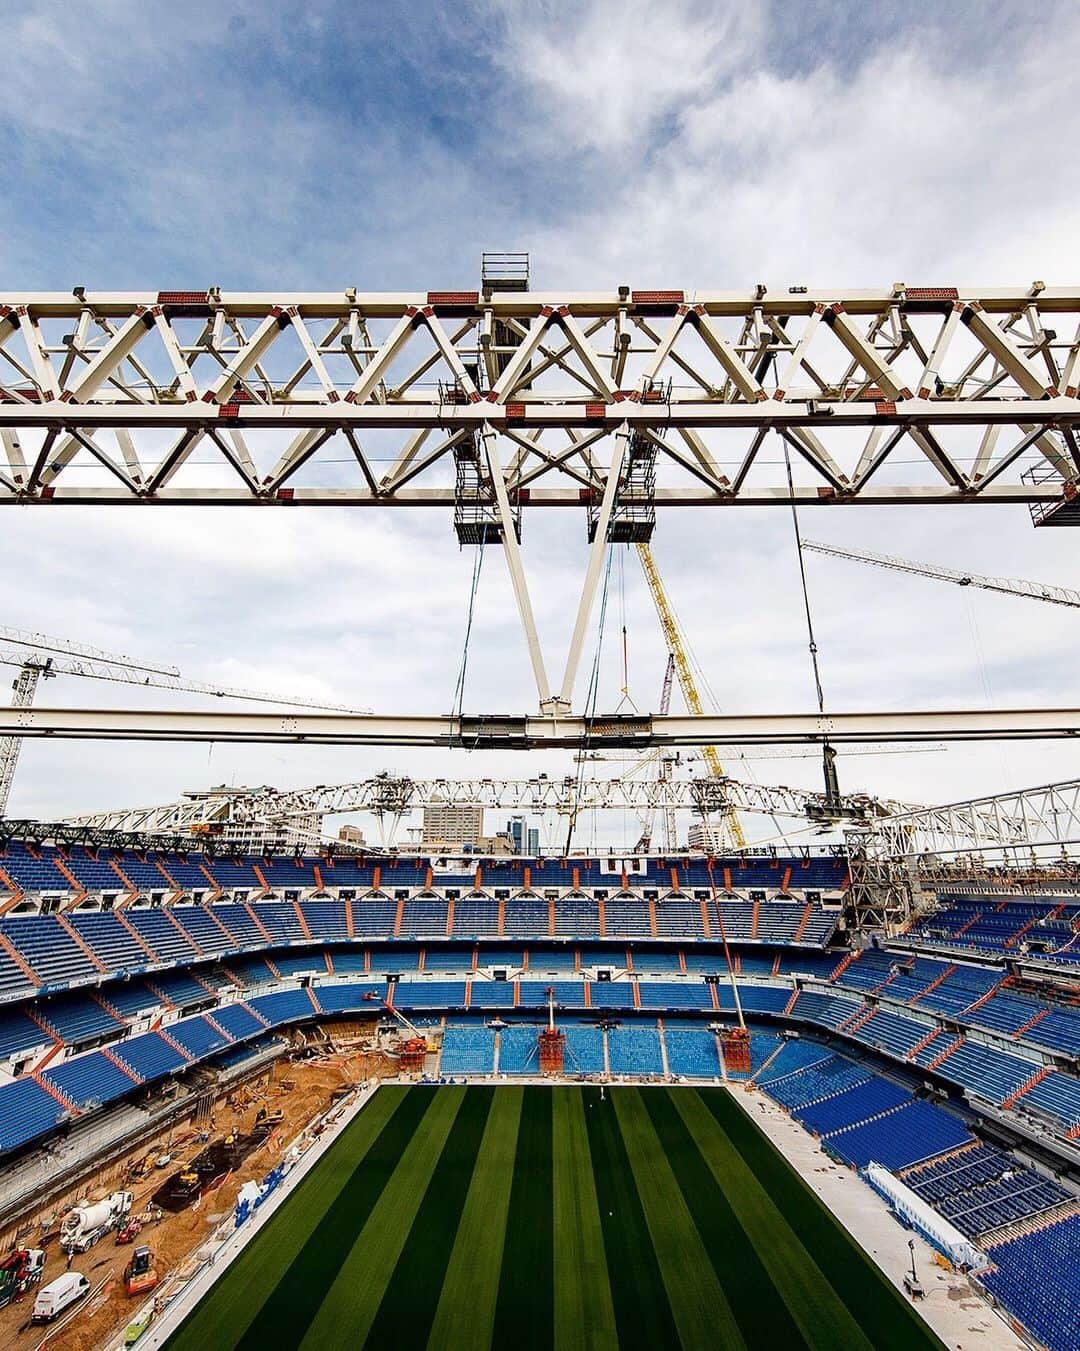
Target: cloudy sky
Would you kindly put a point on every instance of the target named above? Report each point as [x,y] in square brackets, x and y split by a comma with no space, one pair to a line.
[314,146]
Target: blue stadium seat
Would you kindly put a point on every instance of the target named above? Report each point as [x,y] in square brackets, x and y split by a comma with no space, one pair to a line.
[26,1111]
[467,1050]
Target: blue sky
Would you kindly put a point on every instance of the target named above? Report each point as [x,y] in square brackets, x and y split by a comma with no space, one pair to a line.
[673,144]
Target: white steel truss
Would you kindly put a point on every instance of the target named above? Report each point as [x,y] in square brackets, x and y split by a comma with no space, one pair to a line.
[1030,832]
[902,394]
[1030,818]
[394,795]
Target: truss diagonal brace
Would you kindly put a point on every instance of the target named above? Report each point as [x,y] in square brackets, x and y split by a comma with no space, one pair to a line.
[512,550]
[592,572]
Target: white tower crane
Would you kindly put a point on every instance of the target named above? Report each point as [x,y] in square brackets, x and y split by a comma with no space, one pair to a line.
[39,656]
[1006,586]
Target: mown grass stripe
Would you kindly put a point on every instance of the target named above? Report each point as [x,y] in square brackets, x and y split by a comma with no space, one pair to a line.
[222,1317]
[372,1252]
[642,1312]
[285,1317]
[823,1320]
[408,1306]
[465,1315]
[757,1305]
[524,1313]
[878,1307]
[702,1314]
[584,1315]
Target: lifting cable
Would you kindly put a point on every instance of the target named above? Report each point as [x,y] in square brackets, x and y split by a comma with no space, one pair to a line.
[459,688]
[625,691]
[832,791]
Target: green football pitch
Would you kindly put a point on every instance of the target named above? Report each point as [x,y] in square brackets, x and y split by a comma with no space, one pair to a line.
[532,1218]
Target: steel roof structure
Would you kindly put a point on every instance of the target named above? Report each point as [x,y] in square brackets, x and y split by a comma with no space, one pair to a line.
[394,795]
[107,396]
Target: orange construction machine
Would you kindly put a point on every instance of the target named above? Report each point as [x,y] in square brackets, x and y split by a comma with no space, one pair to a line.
[551,1042]
[140,1274]
[412,1050]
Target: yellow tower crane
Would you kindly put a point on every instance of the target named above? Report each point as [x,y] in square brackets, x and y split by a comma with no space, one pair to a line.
[685,677]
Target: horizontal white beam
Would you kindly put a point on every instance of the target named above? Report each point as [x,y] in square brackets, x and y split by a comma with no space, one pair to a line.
[778,299]
[553,412]
[999,494]
[524,732]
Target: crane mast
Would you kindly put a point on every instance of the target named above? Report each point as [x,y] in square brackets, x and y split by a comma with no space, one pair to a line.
[23,688]
[1006,586]
[685,677]
[666,759]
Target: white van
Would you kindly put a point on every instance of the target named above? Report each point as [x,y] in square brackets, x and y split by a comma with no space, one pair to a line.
[59,1295]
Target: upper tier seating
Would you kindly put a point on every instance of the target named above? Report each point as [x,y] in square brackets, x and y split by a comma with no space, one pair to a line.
[48,949]
[1004,923]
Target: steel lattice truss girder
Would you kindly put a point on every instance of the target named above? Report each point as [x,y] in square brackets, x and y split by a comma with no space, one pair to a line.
[388,795]
[223,398]
[1031,819]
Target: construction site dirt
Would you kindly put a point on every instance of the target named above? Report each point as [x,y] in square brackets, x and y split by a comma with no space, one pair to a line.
[299,1089]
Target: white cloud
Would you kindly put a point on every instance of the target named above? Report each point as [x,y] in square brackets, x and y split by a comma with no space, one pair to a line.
[605,75]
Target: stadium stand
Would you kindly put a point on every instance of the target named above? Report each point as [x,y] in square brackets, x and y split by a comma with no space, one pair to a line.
[467,1050]
[692,1053]
[1036,1275]
[635,1051]
[26,1111]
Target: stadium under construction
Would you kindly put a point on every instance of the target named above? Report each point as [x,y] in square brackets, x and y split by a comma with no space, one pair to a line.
[710,1085]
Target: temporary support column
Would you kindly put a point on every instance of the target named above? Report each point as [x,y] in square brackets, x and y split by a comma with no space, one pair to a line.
[592,572]
[512,549]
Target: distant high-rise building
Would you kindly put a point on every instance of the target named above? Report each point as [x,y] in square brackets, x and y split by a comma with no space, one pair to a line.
[448,825]
[534,842]
[516,828]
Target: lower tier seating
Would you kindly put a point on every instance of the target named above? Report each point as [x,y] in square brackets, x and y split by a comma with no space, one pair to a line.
[1037,1277]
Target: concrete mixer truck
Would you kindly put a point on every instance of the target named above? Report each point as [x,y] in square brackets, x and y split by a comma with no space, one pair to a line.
[81,1227]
